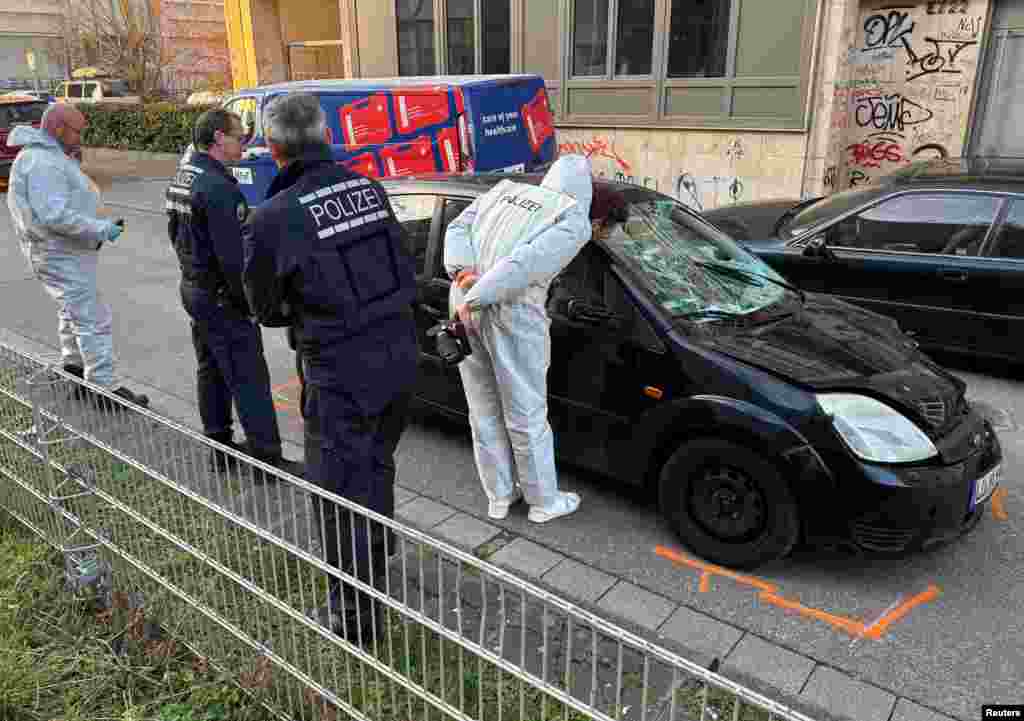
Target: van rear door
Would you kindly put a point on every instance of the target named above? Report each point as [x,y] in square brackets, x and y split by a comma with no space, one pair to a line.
[511,128]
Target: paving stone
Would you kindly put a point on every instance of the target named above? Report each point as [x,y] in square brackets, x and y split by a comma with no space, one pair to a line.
[910,711]
[639,606]
[403,496]
[578,581]
[526,557]
[465,531]
[842,696]
[423,512]
[768,664]
[708,638]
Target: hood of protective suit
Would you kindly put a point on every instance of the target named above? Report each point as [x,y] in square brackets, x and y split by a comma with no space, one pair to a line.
[26,135]
[571,175]
[50,199]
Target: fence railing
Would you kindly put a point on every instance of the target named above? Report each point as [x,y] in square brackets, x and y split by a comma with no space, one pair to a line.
[233,556]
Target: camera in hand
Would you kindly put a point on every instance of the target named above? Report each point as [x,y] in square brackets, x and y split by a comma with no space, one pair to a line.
[452,341]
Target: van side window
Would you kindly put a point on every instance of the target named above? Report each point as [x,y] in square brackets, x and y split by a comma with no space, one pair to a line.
[74,90]
[415,213]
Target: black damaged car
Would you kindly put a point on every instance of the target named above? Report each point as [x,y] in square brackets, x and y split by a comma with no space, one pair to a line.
[937,245]
[759,414]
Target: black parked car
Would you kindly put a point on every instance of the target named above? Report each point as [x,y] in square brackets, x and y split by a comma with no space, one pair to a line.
[938,246]
[759,414]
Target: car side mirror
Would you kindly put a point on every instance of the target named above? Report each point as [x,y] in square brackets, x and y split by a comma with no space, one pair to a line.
[596,314]
[817,248]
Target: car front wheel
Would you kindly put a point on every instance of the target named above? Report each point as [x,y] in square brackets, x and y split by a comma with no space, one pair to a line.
[729,504]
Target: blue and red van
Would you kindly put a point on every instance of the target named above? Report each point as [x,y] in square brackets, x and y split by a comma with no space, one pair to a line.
[412,126]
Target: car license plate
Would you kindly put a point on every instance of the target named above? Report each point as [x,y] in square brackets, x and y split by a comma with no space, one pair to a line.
[984,486]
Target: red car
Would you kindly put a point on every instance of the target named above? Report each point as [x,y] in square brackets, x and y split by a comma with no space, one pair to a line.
[16,110]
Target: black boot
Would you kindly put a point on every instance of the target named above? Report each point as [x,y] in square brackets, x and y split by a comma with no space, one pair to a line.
[139,399]
[74,370]
[362,628]
[108,406]
[78,392]
[219,460]
[282,464]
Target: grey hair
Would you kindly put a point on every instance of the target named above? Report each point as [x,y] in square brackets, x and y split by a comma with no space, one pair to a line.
[294,122]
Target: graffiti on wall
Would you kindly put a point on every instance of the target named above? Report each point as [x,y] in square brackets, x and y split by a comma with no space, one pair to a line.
[596,148]
[904,89]
[695,190]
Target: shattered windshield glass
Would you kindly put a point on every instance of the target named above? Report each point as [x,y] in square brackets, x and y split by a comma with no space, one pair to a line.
[674,252]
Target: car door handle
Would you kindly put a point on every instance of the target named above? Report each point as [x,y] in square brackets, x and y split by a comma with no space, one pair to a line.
[431,310]
[953,276]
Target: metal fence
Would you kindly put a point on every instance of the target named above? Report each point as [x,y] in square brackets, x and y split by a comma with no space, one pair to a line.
[229,564]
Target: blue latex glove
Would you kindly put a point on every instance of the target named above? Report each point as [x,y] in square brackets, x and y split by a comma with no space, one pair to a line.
[114,231]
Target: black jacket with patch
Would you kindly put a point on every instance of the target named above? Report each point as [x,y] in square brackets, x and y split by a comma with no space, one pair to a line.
[205,212]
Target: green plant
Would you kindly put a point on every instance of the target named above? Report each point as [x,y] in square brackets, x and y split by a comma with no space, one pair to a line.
[155,127]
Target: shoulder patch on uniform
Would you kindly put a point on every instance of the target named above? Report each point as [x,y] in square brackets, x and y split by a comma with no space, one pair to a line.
[243,211]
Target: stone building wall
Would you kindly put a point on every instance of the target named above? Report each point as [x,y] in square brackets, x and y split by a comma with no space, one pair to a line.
[703,169]
[905,80]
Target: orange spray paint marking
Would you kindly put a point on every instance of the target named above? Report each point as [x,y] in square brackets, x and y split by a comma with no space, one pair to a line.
[878,627]
[998,509]
[677,557]
[854,628]
[768,593]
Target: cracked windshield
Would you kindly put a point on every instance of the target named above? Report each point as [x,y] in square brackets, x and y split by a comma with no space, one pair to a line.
[690,271]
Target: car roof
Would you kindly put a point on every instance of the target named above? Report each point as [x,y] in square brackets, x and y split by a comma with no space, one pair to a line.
[363,84]
[982,173]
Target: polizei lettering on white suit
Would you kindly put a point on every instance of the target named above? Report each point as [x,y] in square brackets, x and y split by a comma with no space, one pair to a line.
[342,206]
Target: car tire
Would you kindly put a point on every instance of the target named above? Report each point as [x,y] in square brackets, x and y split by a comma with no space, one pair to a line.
[728,504]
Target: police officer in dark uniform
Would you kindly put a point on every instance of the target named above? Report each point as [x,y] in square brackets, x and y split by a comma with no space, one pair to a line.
[206,210]
[326,255]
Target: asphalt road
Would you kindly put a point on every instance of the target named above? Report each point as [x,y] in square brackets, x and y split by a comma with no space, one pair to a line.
[943,628]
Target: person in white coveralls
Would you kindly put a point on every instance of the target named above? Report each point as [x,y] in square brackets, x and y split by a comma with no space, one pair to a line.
[55,209]
[502,252]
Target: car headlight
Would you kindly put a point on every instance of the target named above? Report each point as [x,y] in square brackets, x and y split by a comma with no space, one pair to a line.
[874,431]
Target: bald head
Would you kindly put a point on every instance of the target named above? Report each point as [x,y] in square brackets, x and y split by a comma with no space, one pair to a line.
[65,123]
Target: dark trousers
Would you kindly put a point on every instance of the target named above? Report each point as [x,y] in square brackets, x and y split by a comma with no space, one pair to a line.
[353,456]
[231,367]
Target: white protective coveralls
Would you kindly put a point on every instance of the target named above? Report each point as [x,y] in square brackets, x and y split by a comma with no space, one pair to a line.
[54,208]
[518,237]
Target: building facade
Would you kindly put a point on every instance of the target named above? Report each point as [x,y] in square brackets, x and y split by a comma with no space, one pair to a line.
[193,39]
[31,33]
[195,44]
[710,101]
